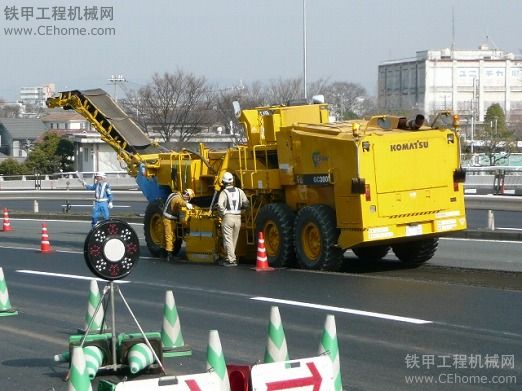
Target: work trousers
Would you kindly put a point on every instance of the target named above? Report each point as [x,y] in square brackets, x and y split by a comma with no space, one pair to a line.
[169,228]
[99,208]
[230,228]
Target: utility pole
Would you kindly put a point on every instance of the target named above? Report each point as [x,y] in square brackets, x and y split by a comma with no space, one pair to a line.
[115,80]
[304,49]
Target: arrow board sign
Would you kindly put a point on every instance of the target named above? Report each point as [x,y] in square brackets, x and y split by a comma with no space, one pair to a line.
[197,382]
[310,374]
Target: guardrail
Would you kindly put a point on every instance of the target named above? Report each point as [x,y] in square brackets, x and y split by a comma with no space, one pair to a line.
[484,202]
[69,195]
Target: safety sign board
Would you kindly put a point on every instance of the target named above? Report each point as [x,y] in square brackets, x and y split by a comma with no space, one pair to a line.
[310,374]
[197,382]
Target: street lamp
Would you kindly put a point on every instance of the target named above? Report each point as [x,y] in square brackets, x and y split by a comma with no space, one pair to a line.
[304,49]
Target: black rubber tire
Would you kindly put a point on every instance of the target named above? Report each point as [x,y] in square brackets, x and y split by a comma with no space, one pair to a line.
[316,235]
[371,253]
[276,221]
[416,252]
[153,229]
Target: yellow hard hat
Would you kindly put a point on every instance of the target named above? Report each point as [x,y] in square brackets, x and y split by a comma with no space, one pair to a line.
[190,193]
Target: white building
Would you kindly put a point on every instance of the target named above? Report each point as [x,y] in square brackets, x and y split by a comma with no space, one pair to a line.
[464,81]
[36,96]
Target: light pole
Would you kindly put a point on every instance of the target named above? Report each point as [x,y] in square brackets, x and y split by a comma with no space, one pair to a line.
[304,49]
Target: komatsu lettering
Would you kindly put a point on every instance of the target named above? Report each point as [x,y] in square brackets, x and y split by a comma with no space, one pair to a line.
[409,146]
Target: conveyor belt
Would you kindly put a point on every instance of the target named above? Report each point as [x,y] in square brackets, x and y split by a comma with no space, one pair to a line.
[108,118]
[120,121]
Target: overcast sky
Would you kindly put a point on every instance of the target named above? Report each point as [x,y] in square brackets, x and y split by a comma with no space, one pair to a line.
[231,40]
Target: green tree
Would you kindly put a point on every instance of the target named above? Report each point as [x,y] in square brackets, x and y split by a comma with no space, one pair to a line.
[11,167]
[51,154]
[498,142]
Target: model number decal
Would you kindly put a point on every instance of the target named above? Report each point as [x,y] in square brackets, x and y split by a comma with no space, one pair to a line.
[408,146]
[311,179]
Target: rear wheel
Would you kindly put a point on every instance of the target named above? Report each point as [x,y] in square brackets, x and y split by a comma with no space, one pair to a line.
[153,228]
[371,253]
[416,252]
[276,221]
[316,237]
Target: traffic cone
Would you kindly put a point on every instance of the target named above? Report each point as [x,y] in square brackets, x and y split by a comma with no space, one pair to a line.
[95,320]
[45,246]
[262,260]
[216,360]
[140,357]
[329,346]
[5,304]
[78,377]
[276,349]
[62,357]
[93,360]
[7,222]
[171,337]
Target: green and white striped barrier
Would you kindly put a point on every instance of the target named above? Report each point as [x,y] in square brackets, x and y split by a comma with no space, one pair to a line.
[330,346]
[93,359]
[216,360]
[276,349]
[95,320]
[5,304]
[78,377]
[171,337]
[139,357]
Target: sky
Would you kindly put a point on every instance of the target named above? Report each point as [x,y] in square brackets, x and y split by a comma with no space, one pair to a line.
[234,41]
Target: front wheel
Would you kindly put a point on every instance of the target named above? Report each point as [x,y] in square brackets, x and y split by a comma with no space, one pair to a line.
[416,252]
[153,228]
[316,237]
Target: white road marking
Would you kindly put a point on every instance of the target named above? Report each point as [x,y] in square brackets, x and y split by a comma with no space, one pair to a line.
[483,240]
[73,276]
[90,206]
[343,310]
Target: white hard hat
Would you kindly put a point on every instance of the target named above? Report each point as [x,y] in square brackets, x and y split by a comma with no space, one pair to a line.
[228,178]
[100,174]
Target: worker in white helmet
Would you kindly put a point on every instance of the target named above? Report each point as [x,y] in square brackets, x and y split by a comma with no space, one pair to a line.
[231,201]
[102,197]
[173,205]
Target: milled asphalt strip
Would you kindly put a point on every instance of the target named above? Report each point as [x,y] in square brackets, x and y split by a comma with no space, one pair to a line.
[72,276]
[343,310]
[30,334]
[272,300]
[57,251]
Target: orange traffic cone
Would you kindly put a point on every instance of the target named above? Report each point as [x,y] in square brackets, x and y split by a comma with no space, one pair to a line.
[7,223]
[262,260]
[45,247]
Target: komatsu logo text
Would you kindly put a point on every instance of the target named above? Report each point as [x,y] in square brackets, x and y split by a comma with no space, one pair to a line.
[408,146]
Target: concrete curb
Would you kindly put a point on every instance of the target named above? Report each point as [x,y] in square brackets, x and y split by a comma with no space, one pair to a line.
[70,216]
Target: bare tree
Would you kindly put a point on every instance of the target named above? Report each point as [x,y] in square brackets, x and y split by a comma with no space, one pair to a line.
[345,98]
[284,90]
[174,103]
[9,110]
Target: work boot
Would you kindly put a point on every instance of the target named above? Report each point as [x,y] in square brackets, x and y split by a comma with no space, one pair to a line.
[170,256]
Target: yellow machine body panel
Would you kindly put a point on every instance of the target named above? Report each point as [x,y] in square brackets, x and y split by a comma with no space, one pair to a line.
[364,183]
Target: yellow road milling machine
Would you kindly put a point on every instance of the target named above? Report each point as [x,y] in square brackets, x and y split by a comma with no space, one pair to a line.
[316,188]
